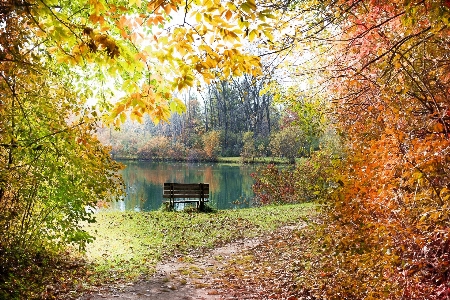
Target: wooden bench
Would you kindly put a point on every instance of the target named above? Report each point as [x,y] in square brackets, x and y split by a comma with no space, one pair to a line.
[186,192]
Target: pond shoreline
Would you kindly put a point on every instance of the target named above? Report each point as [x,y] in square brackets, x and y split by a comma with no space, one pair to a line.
[230,183]
[234,159]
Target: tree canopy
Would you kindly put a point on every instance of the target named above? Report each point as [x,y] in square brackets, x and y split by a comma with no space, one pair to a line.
[384,67]
[131,58]
[146,49]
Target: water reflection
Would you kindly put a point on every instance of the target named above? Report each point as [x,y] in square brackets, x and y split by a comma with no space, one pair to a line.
[230,185]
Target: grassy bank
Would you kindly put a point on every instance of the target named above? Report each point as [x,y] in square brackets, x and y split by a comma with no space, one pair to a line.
[220,159]
[129,244]
[256,160]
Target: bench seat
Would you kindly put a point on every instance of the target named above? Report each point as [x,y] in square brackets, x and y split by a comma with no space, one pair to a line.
[186,193]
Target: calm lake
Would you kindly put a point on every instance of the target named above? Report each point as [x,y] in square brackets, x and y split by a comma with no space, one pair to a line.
[230,184]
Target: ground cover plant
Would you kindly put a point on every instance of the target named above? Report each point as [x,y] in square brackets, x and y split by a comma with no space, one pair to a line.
[129,244]
[150,236]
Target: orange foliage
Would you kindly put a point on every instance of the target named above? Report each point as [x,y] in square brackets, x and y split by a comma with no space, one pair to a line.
[389,223]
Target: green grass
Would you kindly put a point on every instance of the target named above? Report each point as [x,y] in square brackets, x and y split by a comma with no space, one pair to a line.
[129,244]
[227,159]
[234,159]
[259,160]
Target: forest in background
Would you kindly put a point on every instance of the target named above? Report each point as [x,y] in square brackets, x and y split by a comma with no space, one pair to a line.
[225,119]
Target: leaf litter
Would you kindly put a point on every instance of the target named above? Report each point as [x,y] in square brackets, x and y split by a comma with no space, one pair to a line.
[264,267]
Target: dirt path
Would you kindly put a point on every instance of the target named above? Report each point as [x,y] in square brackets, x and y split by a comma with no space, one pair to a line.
[259,268]
[181,278]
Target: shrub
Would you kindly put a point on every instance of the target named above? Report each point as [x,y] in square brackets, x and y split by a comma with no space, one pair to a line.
[211,144]
[195,155]
[288,143]
[248,150]
[274,186]
[156,148]
[309,180]
[177,151]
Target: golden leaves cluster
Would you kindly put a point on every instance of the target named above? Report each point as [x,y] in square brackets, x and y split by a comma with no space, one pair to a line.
[187,42]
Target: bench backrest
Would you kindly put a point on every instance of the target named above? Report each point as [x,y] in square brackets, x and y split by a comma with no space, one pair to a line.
[186,190]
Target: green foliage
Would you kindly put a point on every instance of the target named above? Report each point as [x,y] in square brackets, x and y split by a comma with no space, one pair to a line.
[304,110]
[248,150]
[231,143]
[52,168]
[315,175]
[310,179]
[53,173]
[290,142]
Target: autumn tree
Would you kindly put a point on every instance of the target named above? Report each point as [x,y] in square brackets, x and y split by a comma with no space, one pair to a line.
[237,106]
[46,141]
[54,56]
[53,167]
[289,143]
[384,66]
[211,144]
[248,149]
